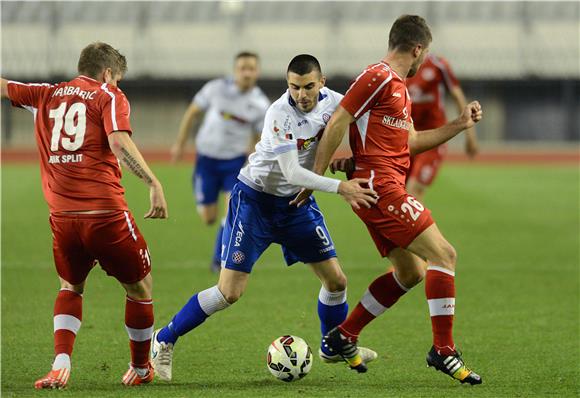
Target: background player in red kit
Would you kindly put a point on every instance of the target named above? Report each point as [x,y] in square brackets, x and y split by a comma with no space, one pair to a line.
[82,131]
[377,111]
[427,89]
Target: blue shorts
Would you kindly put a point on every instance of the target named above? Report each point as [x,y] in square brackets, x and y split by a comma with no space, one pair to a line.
[214,175]
[256,219]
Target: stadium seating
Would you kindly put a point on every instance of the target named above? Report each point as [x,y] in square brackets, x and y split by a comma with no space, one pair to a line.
[180,39]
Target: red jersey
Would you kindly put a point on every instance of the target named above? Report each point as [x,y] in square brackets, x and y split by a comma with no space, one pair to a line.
[71,122]
[427,89]
[379,101]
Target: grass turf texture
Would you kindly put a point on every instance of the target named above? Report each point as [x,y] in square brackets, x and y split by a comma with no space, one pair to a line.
[515,229]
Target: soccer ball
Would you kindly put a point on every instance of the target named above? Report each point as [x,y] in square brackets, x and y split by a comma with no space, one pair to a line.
[289,358]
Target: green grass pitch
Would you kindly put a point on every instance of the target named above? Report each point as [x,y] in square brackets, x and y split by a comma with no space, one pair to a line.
[516,230]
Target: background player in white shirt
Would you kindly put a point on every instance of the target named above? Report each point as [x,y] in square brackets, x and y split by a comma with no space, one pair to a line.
[260,213]
[233,112]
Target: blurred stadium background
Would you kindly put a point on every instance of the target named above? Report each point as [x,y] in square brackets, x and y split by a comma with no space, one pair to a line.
[516,227]
[520,59]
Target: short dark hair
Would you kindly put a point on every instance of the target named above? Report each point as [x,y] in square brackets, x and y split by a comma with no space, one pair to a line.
[98,56]
[246,54]
[407,32]
[303,64]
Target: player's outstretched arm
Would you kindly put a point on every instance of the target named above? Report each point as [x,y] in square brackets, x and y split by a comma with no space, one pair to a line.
[192,114]
[125,150]
[331,139]
[3,88]
[424,140]
[470,134]
[352,191]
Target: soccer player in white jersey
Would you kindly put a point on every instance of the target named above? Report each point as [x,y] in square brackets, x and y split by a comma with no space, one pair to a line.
[233,112]
[260,212]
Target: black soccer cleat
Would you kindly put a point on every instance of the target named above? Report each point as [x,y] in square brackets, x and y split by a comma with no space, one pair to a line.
[336,344]
[453,366]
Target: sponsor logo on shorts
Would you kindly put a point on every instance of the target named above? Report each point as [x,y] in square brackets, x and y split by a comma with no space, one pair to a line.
[238,257]
[239,235]
[326,249]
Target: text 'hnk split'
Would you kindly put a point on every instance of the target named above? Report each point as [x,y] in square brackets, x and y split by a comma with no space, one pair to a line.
[65,158]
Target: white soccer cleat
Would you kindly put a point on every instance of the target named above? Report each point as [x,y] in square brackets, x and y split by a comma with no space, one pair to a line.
[162,357]
[366,354]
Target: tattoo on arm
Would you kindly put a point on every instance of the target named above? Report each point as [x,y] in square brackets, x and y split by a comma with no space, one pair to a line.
[135,167]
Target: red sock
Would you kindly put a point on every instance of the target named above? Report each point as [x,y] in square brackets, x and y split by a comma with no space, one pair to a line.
[381,294]
[68,313]
[440,291]
[139,325]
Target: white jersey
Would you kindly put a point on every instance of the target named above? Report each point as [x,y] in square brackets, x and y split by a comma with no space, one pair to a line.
[286,128]
[231,118]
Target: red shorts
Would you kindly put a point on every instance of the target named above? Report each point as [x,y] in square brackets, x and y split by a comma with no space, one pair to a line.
[112,239]
[396,220]
[425,166]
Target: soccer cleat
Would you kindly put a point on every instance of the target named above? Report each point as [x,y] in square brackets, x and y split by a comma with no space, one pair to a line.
[162,357]
[132,378]
[55,379]
[453,366]
[367,355]
[346,349]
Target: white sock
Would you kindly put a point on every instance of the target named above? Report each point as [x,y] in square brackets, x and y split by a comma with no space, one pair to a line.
[61,361]
[331,298]
[142,372]
[212,300]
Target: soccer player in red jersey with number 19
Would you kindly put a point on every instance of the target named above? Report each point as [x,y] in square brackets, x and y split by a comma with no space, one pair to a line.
[83,132]
[377,110]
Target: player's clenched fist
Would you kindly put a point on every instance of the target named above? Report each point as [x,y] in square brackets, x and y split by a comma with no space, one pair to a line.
[356,194]
[158,204]
[472,113]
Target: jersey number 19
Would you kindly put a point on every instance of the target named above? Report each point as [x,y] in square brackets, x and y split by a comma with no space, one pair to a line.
[75,125]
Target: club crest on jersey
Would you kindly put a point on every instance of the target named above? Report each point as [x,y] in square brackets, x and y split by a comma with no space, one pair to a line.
[325,117]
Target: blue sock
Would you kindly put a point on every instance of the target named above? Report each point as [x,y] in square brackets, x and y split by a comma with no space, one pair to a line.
[188,318]
[332,310]
[198,308]
[217,251]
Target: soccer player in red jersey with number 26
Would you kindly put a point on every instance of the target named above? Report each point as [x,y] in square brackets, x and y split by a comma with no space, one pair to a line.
[83,133]
[377,111]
